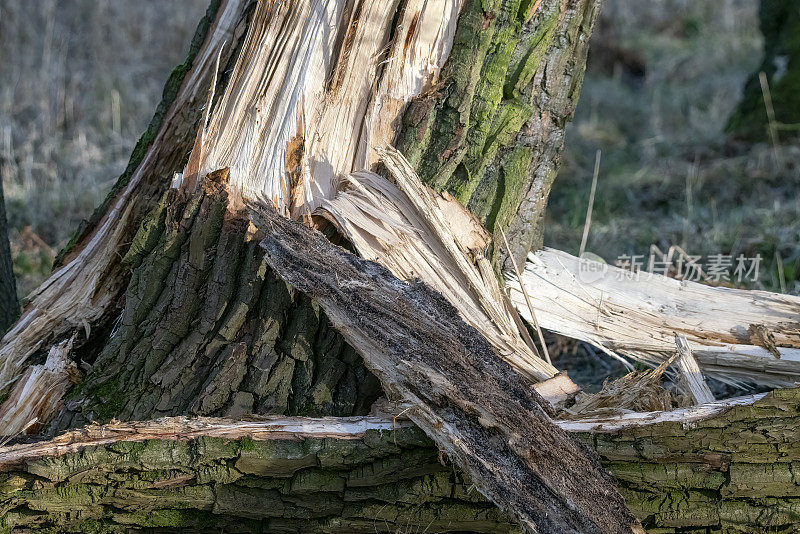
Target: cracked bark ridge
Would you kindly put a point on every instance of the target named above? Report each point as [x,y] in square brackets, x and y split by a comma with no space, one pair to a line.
[492,129]
[471,403]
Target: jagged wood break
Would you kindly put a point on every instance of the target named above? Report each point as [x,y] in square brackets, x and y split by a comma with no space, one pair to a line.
[737,336]
[484,121]
[530,49]
[170,304]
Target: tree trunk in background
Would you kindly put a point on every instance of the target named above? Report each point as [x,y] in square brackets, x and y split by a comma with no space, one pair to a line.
[780,24]
[9,305]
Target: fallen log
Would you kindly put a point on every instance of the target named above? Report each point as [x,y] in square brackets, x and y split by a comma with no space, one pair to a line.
[472,404]
[293,475]
[737,336]
[721,467]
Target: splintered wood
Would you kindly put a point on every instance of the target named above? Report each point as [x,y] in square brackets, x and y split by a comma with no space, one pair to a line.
[419,234]
[300,126]
[477,409]
[736,336]
[329,72]
[81,291]
[37,394]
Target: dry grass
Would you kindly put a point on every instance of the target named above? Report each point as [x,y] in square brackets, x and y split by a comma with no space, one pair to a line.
[668,175]
[635,392]
[80,81]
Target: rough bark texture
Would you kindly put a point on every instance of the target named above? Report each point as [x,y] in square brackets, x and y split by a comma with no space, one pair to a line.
[208,329]
[483,414]
[516,45]
[732,473]
[780,24]
[492,130]
[736,472]
[130,477]
[9,305]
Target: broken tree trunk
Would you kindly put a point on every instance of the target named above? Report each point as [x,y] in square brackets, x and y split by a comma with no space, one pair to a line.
[171,308]
[726,467]
[523,57]
[737,336]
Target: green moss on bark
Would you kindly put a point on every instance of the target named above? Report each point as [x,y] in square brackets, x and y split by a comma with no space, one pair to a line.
[389,483]
[510,84]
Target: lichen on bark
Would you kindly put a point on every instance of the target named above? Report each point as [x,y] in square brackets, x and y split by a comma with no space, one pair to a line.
[382,481]
[732,473]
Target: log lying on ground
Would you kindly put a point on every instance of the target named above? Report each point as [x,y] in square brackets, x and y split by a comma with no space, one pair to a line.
[722,467]
[472,404]
[736,336]
[290,475]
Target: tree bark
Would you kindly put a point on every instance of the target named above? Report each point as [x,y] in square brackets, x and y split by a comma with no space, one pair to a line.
[484,415]
[286,475]
[9,305]
[493,131]
[150,356]
[727,469]
[730,472]
[208,329]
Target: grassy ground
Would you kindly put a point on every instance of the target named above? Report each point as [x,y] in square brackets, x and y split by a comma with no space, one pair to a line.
[663,79]
[79,81]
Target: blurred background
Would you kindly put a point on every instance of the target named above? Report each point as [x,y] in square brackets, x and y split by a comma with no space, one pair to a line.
[79,82]
[660,98]
[81,79]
